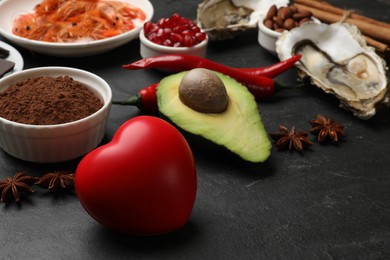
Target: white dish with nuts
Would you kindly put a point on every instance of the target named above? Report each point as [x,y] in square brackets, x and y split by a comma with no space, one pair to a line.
[276,21]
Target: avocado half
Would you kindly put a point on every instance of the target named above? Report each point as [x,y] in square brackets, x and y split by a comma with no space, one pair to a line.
[239,128]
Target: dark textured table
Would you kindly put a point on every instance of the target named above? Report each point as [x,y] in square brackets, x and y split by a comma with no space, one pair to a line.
[332,202]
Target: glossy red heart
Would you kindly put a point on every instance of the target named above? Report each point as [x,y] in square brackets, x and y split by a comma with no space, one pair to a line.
[142,182]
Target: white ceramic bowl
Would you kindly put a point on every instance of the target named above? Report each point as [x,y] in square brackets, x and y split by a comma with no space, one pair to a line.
[62,142]
[10,9]
[267,37]
[150,49]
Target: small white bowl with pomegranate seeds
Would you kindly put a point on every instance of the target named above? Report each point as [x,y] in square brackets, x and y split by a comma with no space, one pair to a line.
[173,35]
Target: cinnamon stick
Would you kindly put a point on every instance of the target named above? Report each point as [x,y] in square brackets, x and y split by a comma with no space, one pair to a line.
[325,6]
[381,48]
[374,31]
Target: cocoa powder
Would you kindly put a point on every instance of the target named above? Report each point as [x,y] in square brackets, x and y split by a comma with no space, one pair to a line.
[48,101]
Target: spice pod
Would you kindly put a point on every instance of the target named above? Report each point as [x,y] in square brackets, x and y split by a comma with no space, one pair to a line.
[55,142]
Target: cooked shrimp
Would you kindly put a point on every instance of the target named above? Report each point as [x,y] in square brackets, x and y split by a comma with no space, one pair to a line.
[75,20]
[47,7]
[73,8]
[28,26]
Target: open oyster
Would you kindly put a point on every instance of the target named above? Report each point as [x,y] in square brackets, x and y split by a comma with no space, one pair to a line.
[338,60]
[223,19]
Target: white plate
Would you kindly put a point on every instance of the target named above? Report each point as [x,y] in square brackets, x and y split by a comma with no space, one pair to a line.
[14,56]
[9,9]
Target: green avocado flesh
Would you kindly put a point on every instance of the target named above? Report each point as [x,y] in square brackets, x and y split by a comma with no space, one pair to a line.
[239,128]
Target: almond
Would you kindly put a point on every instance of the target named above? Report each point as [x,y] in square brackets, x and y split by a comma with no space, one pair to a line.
[273,10]
[302,14]
[285,13]
[289,24]
[269,24]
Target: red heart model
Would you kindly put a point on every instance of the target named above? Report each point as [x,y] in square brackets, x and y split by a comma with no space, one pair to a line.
[142,182]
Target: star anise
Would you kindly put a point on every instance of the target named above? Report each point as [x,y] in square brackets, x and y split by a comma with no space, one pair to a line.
[56,181]
[327,129]
[11,187]
[290,139]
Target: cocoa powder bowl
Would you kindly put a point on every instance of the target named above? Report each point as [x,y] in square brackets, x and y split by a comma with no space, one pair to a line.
[56,142]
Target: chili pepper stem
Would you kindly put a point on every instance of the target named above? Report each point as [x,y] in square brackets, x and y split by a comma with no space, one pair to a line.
[132,101]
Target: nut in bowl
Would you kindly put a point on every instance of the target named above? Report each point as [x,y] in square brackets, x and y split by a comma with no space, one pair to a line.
[277,20]
[173,35]
[45,142]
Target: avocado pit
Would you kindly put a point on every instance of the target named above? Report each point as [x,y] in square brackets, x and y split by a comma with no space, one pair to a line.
[203,91]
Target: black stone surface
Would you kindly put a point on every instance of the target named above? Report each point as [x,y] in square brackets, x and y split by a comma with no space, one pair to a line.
[332,202]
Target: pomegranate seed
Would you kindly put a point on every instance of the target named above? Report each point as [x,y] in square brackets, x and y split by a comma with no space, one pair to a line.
[186,32]
[148,27]
[167,22]
[179,28]
[185,25]
[191,24]
[157,41]
[161,22]
[152,36]
[175,37]
[188,41]
[155,28]
[167,42]
[195,29]
[175,17]
[200,36]
[176,29]
[160,32]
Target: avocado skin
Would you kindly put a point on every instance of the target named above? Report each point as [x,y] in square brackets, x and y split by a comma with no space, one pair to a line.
[238,129]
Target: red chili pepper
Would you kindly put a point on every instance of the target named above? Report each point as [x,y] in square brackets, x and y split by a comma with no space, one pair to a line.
[179,62]
[182,62]
[273,70]
[145,99]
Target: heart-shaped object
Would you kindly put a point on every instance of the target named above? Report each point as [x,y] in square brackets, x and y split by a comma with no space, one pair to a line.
[142,182]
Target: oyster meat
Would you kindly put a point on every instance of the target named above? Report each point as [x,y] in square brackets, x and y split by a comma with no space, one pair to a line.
[338,60]
[223,19]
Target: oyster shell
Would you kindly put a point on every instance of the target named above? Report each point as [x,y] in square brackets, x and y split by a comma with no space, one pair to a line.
[223,19]
[338,60]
